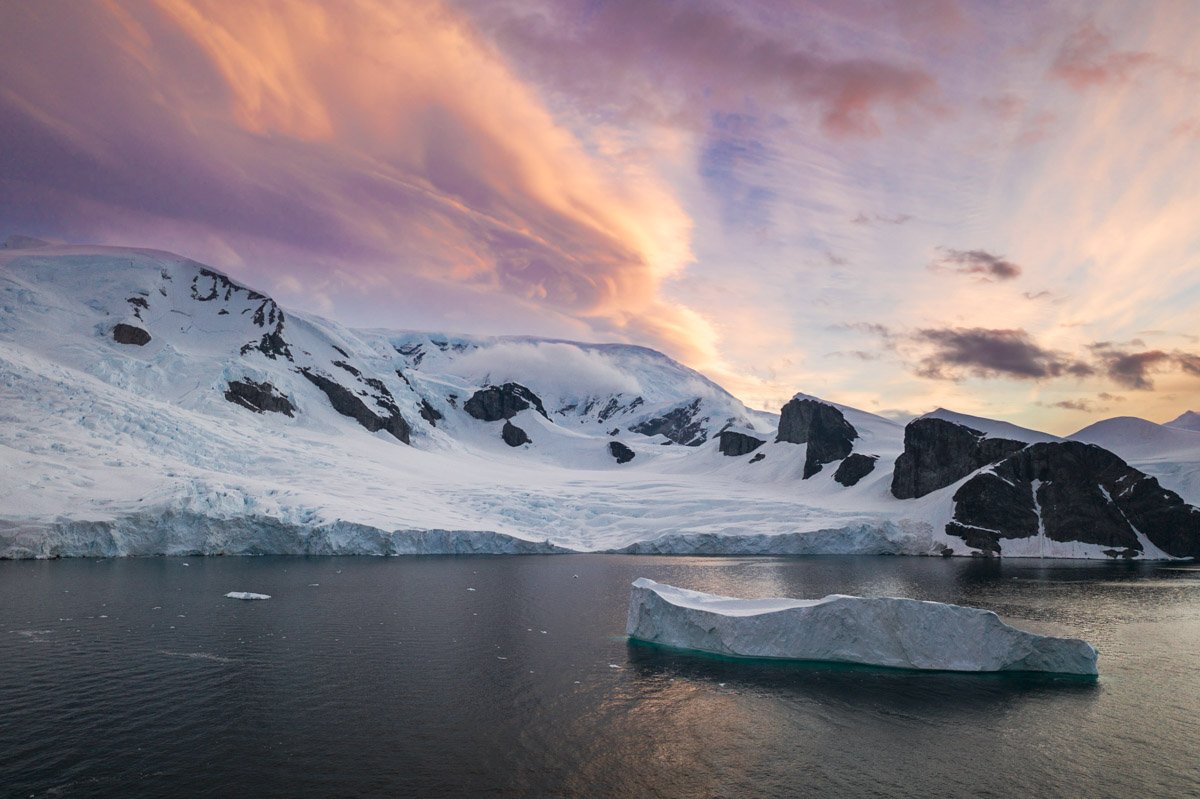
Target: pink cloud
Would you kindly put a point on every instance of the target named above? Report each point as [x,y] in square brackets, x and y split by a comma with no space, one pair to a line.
[1088,59]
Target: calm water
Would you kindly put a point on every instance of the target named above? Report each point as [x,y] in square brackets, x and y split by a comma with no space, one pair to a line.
[390,677]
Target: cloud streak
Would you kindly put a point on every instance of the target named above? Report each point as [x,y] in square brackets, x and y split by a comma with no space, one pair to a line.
[975,262]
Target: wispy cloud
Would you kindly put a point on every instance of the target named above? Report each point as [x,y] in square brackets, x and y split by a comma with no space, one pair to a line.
[975,262]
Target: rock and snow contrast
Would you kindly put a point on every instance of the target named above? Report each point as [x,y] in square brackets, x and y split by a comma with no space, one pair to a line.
[891,632]
[151,405]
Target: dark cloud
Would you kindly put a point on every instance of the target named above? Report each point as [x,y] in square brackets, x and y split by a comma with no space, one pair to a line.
[1134,369]
[975,262]
[1086,406]
[983,352]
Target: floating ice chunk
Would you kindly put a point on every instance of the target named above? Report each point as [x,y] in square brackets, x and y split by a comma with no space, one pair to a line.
[246,595]
[898,633]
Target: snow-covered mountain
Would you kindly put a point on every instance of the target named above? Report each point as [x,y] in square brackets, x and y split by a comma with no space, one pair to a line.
[1170,453]
[1188,420]
[151,405]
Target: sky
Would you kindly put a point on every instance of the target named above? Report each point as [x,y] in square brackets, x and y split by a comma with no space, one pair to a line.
[988,206]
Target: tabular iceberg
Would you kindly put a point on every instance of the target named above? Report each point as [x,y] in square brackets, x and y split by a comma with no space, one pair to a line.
[893,632]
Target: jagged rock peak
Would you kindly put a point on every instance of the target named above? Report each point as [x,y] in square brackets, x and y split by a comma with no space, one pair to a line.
[493,403]
[1070,491]
[819,425]
[938,453]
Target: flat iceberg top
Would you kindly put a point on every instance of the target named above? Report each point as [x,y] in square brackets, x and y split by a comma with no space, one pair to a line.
[246,595]
[879,631]
[725,605]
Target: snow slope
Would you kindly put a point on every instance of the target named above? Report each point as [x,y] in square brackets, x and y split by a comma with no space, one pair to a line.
[149,405]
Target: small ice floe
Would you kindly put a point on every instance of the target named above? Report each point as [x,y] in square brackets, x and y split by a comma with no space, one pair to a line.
[613,666]
[246,595]
[470,589]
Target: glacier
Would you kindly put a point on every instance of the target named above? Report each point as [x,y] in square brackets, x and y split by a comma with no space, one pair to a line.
[885,631]
[239,427]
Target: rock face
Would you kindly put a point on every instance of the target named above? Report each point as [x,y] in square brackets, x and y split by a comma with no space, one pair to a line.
[819,425]
[1070,491]
[130,334]
[258,397]
[494,403]
[938,453]
[622,453]
[513,435]
[855,467]
[897,633]
[734,444]
[347,403]
[682,425]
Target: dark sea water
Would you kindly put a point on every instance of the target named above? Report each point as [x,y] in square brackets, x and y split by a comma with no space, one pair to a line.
[390,677]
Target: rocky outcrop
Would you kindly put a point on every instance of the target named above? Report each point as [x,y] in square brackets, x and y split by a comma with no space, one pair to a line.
[733,444]
[819,425]
[1073,492]
[680,425]
[938,453]
[855,467]
[347,403]
[494,403]
[622,453]
[513,435]
[258,397]
[130,334]
[429,413]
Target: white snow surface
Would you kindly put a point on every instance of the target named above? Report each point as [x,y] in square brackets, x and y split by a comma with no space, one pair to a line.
[884,631]
[111,449]
[992,428]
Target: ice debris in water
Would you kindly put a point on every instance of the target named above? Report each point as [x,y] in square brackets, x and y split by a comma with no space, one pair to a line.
[246,595]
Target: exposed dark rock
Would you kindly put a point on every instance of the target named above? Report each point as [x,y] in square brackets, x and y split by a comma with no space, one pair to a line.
[494,403]
[347,403]
[614,431]
[622,453]
[429,413]
[819,425]
[760,456]
[346,366]
[1071,491]
[129,334]
[734,444]
[513,435]
[342,351]
[138,304]
[938,453]
[681,425]
[855,467]
[258,397]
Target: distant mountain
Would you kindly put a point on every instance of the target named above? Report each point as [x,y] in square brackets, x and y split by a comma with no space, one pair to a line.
[1188,420]
[152,405]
